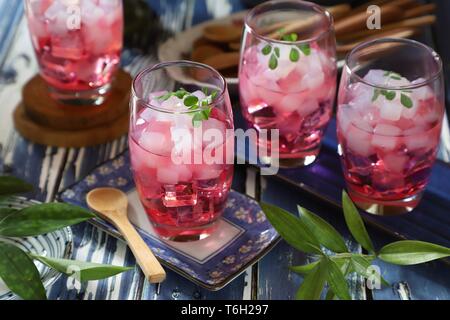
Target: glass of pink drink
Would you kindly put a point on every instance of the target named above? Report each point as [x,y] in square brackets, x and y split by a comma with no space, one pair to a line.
[78,45]
[182,147]
[287,77]
[391,106]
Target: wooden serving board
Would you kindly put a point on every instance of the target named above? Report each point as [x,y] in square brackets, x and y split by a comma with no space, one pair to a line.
[42,109]
[40,134]
[43,120]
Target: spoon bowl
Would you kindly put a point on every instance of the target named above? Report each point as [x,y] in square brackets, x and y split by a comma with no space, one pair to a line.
[112,204]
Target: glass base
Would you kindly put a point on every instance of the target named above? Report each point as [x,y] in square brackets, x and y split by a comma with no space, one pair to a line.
[185,234]
[385,208]
[81,98]
[287,161]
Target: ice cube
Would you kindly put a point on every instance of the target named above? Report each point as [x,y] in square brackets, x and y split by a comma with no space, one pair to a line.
[207,172]
[390,110]
[417,138]
[386,136]
[361,95]
[421,93]
[312,80]
[268,96]
[173,104]
[307,107]
[291,83]
[91,14]
[346,115]
[68,47]
[54,9]
[289,103]
[167,175]
[359,141]
[199,94]
[395,162]
[375,77]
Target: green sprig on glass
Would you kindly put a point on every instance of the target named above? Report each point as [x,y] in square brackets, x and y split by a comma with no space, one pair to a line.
[311,234]
[390,95]
[17,269]
[201,107]
[294,53]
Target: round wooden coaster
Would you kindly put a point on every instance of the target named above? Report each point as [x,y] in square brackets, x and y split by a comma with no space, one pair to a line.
[40,134]
[45,111]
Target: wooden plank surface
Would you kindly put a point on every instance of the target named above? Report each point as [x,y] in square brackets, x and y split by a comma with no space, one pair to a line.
[52,169]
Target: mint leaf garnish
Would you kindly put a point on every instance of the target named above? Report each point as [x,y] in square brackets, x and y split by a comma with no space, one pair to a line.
[376,94]
[391,94]
[277,52]
[294,55]
[266,50]
[305,48]
[190,101]
[273,62]
[406,101]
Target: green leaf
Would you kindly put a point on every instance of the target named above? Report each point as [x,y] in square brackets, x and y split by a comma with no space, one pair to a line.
[409,252]
[42,218]
[10,185]
[336,280]
[390,95]
[277,51]
[361,266]
[5,212]
[19,273]
[294,55]
[83,271]
[293,37]
[323,231]
[273,62]
[396,77]
[313,283]
[305,48]
[304,269]
[190,101]
[165,96]
[376,94]
[330,294]
[406,101]
[355,223]
[291,229]
[266,50]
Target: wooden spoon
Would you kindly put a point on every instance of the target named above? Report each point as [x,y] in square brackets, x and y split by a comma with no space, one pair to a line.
[112,205]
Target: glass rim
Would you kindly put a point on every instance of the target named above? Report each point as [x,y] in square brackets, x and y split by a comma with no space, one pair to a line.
[165,64]
[316,7]
[426,81]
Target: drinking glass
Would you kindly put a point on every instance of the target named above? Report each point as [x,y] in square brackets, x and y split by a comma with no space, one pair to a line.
[182,147]
[391,106]
[287,77]
[78,45]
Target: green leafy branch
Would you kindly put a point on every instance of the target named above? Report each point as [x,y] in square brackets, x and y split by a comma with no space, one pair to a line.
[201,107]
[309,233]
[294,54]
[17,269]
[390,95]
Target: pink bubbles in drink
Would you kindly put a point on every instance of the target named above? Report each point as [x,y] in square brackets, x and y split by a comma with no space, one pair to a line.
[182,168]
[388,138]
[78,45]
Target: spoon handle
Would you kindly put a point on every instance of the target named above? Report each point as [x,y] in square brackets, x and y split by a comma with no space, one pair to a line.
[150,266]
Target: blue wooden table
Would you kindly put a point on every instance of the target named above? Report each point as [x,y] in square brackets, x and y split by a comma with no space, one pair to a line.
[52,169]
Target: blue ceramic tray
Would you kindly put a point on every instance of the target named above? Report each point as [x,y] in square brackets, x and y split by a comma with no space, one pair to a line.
[324,179]
[242,238]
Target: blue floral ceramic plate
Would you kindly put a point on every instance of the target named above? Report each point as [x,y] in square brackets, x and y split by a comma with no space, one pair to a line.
[243,236]
[56,244]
